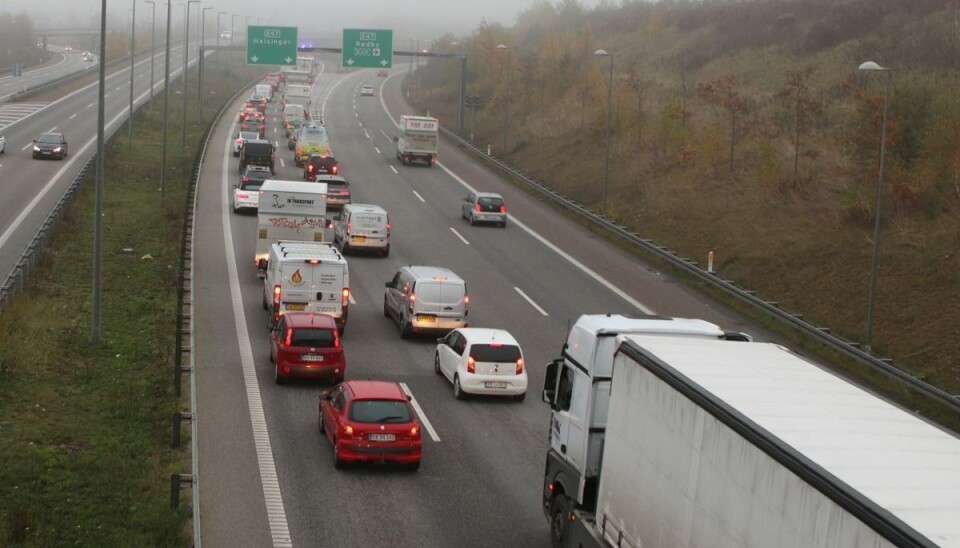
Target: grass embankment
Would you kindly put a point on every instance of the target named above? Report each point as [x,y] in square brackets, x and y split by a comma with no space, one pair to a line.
[85,429]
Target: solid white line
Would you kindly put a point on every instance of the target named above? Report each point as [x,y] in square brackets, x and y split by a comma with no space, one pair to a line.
[377,149]
[282,163]
[276,515]
[91,105]
[73,116]
[51,130]
[417,194]
[352,300]
[529,300]
[30,145]
[384,133]
[462,239]
[397,172]
[420,413]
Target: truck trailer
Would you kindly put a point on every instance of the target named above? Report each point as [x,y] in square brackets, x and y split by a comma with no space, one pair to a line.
[688,440]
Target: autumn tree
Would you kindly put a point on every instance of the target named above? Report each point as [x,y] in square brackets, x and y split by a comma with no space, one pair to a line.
[639,85]
[722,93]
[795,94]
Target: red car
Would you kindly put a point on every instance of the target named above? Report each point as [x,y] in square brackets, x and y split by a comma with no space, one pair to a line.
[306,345]
[248,111]
[258,102]
[370,421]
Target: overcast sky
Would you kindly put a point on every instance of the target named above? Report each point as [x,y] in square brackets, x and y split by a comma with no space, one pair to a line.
[321,19]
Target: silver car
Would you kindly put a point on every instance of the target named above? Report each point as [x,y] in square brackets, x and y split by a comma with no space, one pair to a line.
[484,207]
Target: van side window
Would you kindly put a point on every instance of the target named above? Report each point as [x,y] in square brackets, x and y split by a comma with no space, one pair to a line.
[565,389]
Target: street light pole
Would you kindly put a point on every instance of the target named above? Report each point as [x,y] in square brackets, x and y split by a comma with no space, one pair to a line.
[872,298]
[218,29]
[98,194]
[133,48]
[463,85]
[203,26]
[506,104]
[606,162]
[186,62]
[153,45]
[166,101]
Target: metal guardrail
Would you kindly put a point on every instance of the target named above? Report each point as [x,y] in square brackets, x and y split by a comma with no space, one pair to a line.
[820,334]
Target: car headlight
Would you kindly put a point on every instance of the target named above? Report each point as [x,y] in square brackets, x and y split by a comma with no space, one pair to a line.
[36,148]
[57,149]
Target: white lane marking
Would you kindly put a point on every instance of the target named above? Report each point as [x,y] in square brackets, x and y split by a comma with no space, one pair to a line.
[73,116]
[384,133]
[282,163]
[274,130]
[377,149]
[366,134]
[28,146]
[417,194]
[91,105]
[397,172]
[118,88]
[276,515]
[529,300]
[51,130]
[420,413]
[462,239]
[352,300]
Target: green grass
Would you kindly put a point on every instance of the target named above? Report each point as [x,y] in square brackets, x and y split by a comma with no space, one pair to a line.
[85,430]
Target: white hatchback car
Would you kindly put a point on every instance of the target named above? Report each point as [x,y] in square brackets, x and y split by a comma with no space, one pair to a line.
[479,360]
[366,89]
[484,207]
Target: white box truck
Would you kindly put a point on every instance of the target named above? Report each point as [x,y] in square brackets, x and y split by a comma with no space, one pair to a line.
[666,440]
[289,210]
[307,277]
[299,94]
[419,139]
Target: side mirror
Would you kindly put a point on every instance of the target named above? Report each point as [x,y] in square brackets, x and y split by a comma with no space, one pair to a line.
[325,395]
[440,340]
[550,383]
[387,285]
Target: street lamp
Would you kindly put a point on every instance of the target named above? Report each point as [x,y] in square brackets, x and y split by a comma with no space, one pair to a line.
[133,48]
[186,62]
[153,45]
[166,100]
[870,65]
[463,85]
[606,163]
[203,27]
[98,192]
[218,29]
[506,104]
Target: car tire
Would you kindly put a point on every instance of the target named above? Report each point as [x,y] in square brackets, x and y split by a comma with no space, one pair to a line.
[436,364]
[413,466]
[404,329]
[277,377]
[559,524]
[386,251]
[520,397]
[458,392]
[236,154]
[320,423]
[471,220]
[338,463]
[503,224]
[264,301]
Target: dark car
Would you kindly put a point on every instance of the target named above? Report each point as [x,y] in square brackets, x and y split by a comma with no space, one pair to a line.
[319,164]
[338,190]
[50,145]
[257,152]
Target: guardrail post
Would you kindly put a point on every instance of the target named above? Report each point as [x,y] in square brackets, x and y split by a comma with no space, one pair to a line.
[177,482]
[710,262]
[178,419]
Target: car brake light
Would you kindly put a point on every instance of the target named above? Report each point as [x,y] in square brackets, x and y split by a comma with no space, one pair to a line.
[503,208]
[466,299]
[414,431]
[310,168]
[336,339]
[349,227]
[334,170]
[345,297]
[519,366]
[496,344]
[471,364]
[289,338]
[477,207]
[246,179]
[388,229]
[243,195]
[276,302]
[410,301]
[348,430]
[239,141]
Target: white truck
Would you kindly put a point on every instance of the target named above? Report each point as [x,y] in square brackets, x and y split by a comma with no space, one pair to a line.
[292,211]
[672,438]
[419,139]
[299,94]
[307,277]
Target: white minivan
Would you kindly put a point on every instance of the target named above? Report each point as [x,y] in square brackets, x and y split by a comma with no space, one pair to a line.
[362,227]
[306,277]
[264,90]
[426,299]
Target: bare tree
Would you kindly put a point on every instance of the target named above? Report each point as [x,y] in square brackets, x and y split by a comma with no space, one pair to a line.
[723,93]
[795,94]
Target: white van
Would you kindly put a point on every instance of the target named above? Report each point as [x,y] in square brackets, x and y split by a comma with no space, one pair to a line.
[264,90]
[362,226]
[306,277]
[289,211]
[426,299]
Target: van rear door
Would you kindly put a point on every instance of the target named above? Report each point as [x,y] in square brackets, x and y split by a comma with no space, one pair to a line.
[442,298]
[316,288]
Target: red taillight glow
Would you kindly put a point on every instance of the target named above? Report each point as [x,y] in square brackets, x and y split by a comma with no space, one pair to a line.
[348,430]
[243,195]
[246,179]
[466,299]
[477,207]
[503,208]
[410,300]
[276,302]
[310,168]
[519,366]
[289,338]
[471,364]
[334,170]
[414,431]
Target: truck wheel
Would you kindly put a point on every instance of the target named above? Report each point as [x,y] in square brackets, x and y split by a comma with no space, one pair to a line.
[559,509]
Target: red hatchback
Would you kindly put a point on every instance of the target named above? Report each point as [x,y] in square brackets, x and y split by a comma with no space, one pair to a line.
[307,345]
[370,421]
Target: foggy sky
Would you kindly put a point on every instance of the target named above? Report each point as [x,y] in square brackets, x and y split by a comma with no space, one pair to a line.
[319,19]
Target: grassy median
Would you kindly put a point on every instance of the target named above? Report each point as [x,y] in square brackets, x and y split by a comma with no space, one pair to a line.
[85,430]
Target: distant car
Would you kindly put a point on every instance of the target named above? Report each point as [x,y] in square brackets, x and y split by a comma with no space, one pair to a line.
[256,125]
[318,164]
[87,54]
[484,207]
[382,73]
[240,138]
[247,111]
[3,144]
[338,190]
[88,58]
[50,145]
[479,360]
[307,345]
[366,90]
[246,193]
[67,48]
[258,101]
[370,421]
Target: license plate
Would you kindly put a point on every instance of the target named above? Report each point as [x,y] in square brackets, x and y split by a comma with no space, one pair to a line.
[358,239]
[382,437]
[296,306]
[427,319]
[47,152]
[311,357]
[494,384]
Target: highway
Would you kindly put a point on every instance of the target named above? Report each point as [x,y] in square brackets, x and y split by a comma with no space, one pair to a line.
[63,63]
[30,189]
[266,474]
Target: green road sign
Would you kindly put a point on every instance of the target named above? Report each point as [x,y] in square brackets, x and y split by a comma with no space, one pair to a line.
[271,45]
[367,48]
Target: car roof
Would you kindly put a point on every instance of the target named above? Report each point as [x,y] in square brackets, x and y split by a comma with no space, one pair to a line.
[375,390]
[488,195]
[330,179]
[486,335]
[423,272]
[257,133]
[309,319]
[365,208]
[264,169]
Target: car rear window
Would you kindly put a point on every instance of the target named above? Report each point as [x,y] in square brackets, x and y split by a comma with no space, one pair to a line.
[379,411]
[337,187]
[312,336]
[257,149]
[495,353]
[490,204]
